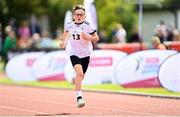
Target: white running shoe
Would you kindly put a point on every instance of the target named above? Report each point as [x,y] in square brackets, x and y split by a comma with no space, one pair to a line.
[80,102]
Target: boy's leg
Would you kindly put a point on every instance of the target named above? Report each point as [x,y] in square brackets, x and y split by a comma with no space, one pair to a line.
[78,77]
[80,67]
[78,80]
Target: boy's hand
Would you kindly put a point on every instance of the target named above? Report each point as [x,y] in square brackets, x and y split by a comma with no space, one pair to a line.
[85,36]
[62,45]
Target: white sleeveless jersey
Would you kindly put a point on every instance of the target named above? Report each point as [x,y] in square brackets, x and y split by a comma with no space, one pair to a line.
[75,45]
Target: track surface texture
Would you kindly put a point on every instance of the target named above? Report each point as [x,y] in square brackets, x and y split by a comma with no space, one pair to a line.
[35,101]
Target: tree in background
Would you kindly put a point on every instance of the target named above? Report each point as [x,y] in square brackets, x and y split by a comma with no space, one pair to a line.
[23,9]
[111,12]
[57,10]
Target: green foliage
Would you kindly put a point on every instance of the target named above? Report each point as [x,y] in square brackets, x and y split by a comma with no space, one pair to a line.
[23,9]
[171,1]
[111,12]
[56,12]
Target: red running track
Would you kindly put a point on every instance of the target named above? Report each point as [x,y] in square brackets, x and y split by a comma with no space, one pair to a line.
[34,101]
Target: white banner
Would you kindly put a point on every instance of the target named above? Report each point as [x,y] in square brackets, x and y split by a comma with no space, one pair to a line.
[50,66]
[169,73]
[91,14]
[68,17]
[140,69]
[19,67]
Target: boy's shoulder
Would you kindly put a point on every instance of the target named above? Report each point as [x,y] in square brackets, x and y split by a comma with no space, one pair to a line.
[86,22]
[70,23]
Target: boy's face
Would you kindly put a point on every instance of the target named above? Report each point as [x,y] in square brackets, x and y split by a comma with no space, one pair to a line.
[79,16]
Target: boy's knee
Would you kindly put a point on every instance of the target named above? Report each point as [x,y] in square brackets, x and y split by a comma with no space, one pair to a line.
[80,74]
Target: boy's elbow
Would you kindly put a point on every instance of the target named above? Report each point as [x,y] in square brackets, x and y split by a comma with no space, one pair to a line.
[96,39]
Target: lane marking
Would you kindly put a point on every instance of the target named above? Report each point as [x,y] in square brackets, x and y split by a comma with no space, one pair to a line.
[21,109]
[89,106]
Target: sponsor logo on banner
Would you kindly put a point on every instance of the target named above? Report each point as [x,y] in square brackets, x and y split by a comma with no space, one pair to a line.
[151,65]
[140,69]
[101,61]
[169,73]
[30,61]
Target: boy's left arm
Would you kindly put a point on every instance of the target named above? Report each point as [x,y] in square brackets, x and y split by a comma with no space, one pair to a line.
[93,37]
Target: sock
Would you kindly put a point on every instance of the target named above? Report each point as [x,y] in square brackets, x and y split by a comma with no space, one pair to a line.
[79,93]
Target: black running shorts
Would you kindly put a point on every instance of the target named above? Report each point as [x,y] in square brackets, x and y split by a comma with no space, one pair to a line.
[82,61]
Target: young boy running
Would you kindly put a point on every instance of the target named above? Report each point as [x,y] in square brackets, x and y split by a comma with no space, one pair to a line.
[78,36]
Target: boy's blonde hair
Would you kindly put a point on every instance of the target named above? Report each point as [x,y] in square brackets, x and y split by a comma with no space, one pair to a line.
[76,7]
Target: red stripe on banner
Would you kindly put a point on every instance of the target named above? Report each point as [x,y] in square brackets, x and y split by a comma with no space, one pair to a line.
[53,77]
[152,82]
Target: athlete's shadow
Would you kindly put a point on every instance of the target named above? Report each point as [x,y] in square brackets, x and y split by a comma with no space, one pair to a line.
[57,114]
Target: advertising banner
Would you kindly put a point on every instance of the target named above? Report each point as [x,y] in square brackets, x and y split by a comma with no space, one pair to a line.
[50,66]
[169,73]
[19,68]
[101,67]
[140,69]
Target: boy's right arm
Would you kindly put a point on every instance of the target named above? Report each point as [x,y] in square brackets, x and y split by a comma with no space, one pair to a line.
[65,39]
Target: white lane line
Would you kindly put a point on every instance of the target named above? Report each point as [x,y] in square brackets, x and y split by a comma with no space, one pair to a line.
[120,110]
[21,109]
[89,106]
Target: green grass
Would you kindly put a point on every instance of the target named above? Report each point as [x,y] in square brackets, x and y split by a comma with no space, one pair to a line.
[101,87]
[51,84]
